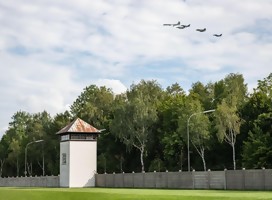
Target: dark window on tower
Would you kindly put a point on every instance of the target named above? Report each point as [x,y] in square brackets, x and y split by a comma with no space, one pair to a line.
[64,161]
[64,137]
[83,137]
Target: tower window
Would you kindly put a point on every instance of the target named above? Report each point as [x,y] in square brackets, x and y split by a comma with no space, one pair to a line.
[83,137]
[64,161]
[64,137]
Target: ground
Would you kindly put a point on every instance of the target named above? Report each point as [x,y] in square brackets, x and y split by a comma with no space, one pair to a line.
[127,194]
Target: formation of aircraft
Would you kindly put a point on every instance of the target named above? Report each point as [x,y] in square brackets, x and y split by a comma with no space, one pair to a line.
[181,26]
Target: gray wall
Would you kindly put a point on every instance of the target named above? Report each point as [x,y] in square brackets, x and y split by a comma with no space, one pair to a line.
[228,179]
[43,181]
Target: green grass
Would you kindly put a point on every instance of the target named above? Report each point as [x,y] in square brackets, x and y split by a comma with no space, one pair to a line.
[126,194]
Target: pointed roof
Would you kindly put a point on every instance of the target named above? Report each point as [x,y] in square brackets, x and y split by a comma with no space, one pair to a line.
[78,126]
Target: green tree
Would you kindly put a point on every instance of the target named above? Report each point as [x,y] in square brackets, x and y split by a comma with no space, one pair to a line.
[156,165]
[38,128]
[199,124]
[258,114]
[257,151]
[2,157]
[15,137]
[203,93]
[228,124]
[94,106]
[52,143]
[169,113]
[134,117]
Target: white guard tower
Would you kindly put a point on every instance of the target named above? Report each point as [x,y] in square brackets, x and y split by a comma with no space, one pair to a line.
[78,154]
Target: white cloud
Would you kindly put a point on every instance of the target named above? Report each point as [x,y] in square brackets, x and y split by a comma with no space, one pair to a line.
[116,85]
[50,50]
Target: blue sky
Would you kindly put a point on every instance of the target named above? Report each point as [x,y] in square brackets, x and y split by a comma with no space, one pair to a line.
[50,50]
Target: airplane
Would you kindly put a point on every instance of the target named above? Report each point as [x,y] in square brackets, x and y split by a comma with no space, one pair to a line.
[183,26]
[201,30]
[186,26]
[217,35]
[177,24]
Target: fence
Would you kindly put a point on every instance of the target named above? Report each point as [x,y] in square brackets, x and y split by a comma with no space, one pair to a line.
[43,181]
[228,179]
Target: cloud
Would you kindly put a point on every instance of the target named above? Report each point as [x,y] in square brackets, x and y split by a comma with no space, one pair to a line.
[116,85]
[50,50]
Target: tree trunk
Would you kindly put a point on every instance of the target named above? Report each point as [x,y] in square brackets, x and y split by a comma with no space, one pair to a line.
[181,157]
[203,160]
[17,165]
[233,156]
[1,166]
[233,148]
[142,158]
[201,153]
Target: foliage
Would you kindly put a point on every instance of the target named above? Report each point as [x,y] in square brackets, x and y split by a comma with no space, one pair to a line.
[134,117]
[169,113]
[257,150]
[94,106]
[156,165]
[194,120]
[149,125]
[228,125]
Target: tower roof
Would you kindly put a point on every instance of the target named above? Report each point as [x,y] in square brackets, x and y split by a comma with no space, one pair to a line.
[78,126]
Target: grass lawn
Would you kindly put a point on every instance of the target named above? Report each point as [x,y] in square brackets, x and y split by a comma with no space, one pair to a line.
[126,194]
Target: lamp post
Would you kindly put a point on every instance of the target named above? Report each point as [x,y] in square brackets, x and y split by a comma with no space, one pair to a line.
[37,141]
[188,135]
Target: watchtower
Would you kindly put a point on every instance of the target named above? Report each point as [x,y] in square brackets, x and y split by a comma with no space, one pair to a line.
[78,154]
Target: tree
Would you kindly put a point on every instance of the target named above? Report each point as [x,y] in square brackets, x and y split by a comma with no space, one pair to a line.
[228,124]
[94,106]
[156,165]
[258,114]
[2,157]
[51,144]
[38,128]
[134,117]
[198,125]
[15,137]
[203,93]
[169,112]
[257,150]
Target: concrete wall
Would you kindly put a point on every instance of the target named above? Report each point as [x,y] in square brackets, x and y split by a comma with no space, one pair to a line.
[44,181]
[82,166]
[228,179]
[64,167]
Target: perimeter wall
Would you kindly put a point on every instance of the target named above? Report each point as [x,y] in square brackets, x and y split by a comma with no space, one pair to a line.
[228,179]
[260,179]
[42,181]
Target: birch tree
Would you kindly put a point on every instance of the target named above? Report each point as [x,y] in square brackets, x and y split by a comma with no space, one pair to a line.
[198,125]
[135,116]
[228,125]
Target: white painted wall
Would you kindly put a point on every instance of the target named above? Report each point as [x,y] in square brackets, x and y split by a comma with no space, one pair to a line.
[82,163]
[64,169]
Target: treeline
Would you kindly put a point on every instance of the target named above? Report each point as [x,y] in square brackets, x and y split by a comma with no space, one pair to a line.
[147,129]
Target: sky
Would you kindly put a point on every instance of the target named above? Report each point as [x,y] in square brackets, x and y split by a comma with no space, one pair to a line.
[50,50]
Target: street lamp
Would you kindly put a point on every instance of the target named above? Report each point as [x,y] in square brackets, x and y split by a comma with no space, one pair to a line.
[188,136]
[37,141]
